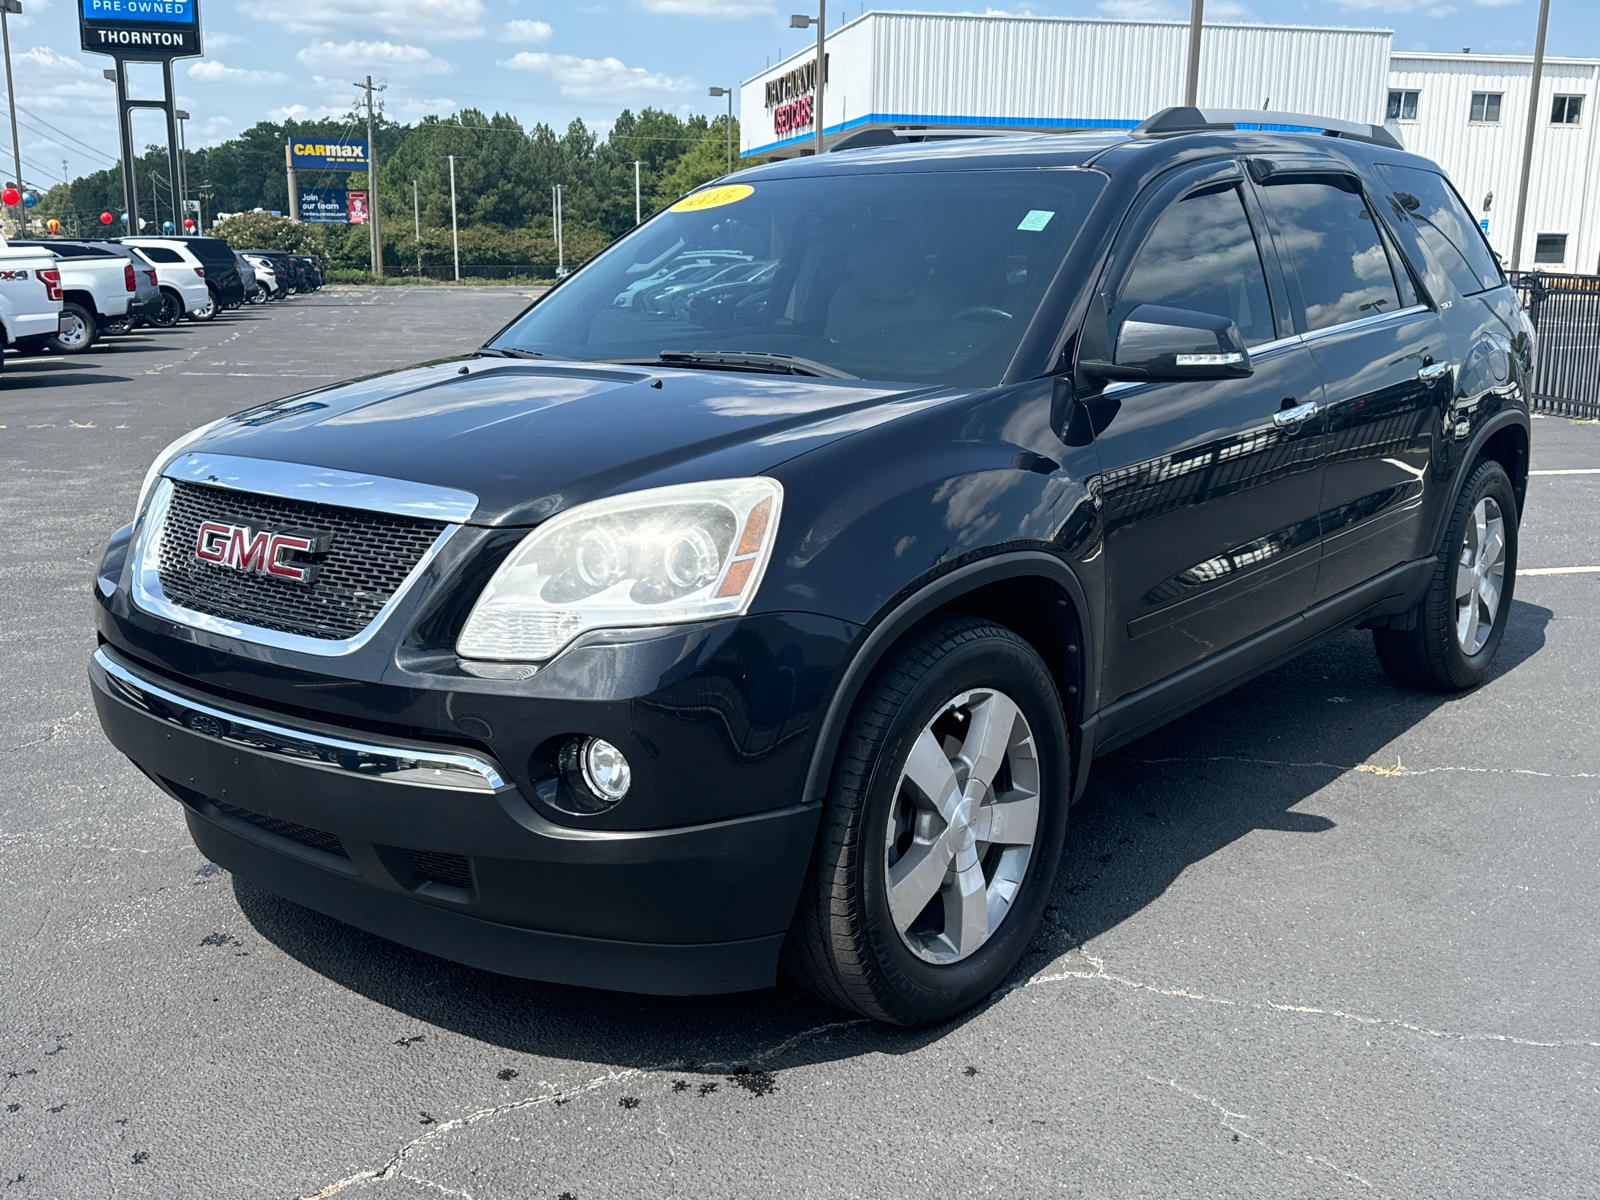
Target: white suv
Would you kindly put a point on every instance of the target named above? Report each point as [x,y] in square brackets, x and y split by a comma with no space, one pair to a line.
[182,277]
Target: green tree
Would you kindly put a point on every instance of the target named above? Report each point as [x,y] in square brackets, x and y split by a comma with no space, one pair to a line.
[704,161]
[263,231]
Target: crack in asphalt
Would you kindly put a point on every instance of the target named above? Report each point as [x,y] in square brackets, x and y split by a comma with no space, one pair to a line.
[1398,770]
[391,1168]
[1100,974]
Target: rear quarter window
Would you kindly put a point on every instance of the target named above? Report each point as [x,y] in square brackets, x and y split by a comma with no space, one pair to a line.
[1437,233]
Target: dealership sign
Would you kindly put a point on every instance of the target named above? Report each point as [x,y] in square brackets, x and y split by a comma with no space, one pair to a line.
[796,114]
[329,156]
[791,97]
[323,206]
[140,29]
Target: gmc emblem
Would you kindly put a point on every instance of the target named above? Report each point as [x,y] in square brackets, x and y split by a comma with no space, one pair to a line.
[245,549]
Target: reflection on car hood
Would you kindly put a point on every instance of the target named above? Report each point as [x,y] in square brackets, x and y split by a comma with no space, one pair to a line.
[530,438]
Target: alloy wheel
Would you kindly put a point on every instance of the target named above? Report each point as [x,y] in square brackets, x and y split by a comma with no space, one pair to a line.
[1480,575]
[962,826]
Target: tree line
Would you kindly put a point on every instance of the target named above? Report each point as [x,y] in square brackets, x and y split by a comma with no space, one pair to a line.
[504,174]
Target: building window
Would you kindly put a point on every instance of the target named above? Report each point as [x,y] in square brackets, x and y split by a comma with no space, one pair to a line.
[1403,106]
[1550,248]
[1566,110]
[1486,107]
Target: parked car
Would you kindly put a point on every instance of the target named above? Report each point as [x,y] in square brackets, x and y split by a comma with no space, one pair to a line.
[30,293]
[267,275]
[181,277]
[104,290]
[311,271]
[657,661]
[222,271]
[254,292]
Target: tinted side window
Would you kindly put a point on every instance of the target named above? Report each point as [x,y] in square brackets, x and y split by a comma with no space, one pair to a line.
[1335,251]
[1201,255]
[1437,232]
[160,254]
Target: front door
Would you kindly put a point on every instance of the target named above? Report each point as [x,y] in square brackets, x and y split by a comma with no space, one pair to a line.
[1210,489]
[1385,364]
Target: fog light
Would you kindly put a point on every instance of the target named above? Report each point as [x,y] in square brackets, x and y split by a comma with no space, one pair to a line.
[605,770]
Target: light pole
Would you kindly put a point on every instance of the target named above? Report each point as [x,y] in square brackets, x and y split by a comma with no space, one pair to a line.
[555,217]
[637,211]
[728,92]
[455,237]
[801,21]
[416,221]
[1191,82]
[7,7]
[1527,137]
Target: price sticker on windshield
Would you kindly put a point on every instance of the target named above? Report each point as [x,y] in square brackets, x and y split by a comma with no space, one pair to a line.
[713,198]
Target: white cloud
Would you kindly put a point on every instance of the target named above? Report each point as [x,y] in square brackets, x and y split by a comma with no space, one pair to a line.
[414,109]
[1428,8]
[1140,10]
[209,70]
[373,54]
[222,41]
[528,31]
[453,20]
[599,76]
[709,8]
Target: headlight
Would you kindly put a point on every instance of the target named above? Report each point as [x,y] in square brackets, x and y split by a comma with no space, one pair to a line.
[163,459]
[657,557]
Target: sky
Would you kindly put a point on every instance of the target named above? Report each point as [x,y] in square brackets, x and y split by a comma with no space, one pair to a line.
[267,59]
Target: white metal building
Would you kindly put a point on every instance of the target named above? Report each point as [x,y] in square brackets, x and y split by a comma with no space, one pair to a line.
[891,70]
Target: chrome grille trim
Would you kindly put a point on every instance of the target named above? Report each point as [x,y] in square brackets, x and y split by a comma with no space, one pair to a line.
[323,485]
[413,766]
[148,595]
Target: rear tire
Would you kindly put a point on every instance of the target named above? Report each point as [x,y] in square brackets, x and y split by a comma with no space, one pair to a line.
[1458,626]
[82,330]
[31,346]
[207,311]
[171,311]
[918,905]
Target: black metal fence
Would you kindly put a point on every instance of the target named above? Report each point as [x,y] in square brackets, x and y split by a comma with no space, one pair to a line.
[1565,310]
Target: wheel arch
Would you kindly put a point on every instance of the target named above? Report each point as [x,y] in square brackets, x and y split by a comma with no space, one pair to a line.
[82,299]
[1507,444]
[1031,592]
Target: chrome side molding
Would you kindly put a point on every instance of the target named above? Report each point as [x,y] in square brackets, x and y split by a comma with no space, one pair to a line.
[405,765]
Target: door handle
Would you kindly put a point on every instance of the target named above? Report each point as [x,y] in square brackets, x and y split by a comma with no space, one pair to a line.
[1433,371]
[1285,418]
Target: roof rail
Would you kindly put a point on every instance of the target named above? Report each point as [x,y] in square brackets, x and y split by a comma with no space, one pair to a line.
[904,136]
[1185,119]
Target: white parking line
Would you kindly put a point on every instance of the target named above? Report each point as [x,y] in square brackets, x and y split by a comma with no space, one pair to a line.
[1569,471]
[1559,571]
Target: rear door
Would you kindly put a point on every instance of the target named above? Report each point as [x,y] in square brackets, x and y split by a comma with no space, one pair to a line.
[1210,487]
[1385,364]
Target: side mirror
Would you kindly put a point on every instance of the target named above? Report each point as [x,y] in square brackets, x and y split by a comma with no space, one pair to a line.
[1155,342]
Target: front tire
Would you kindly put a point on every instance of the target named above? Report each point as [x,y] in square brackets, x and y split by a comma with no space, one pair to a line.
[207,311]
[81,332]
[1461,620]
[171,311]
[942,829]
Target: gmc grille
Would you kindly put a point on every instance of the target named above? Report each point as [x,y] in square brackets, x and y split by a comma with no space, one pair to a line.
[368,557]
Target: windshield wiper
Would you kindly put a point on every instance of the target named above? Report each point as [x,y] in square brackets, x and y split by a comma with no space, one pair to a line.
[499,352]
[746,360]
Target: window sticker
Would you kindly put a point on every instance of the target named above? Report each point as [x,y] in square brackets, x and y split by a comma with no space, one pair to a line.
[714,198]
[1036,220]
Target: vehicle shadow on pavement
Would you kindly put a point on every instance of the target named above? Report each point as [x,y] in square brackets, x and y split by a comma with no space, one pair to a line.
[1242,763]
[1153,808]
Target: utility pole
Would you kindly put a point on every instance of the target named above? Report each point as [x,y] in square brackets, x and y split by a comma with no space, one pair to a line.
[801,21]
[416,221]
[183,170]
[455,237]
[637,212]
[1527,136]
[374,233]
[728,92]
[1191,82]
[6,8]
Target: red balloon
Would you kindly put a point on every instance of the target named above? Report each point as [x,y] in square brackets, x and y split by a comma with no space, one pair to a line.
[11,196]
[105,218]
[188,223]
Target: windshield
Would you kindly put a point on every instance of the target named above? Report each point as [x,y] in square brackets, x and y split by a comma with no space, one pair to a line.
[914,276]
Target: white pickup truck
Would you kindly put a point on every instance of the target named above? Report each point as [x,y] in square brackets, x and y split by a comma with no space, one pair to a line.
[105,288]
[30,293]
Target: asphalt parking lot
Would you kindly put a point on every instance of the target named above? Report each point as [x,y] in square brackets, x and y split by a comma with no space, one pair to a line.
[1323,937]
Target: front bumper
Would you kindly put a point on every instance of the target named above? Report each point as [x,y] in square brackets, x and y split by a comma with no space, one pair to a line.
[431,846]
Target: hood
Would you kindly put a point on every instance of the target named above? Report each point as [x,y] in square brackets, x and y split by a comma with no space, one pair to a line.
[530,439]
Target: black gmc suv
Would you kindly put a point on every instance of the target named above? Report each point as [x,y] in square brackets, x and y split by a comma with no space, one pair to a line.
[653,647]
